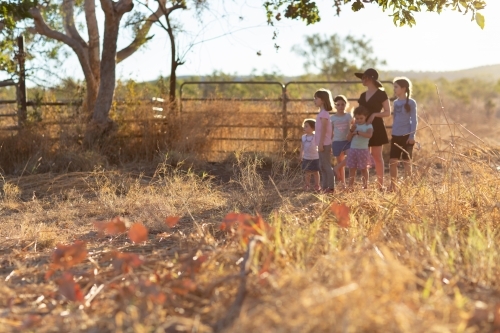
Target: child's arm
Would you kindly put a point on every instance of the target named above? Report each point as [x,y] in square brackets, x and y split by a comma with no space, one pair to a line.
[301,151]
[368,134]
[324,124]
[351,133]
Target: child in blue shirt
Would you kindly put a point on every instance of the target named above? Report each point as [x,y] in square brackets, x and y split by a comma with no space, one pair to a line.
[403,129]
[359,157]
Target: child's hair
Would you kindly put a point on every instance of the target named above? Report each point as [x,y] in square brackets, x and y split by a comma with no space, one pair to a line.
[361,111]
[311,123]
[341,98]
[405,82]
[326,96]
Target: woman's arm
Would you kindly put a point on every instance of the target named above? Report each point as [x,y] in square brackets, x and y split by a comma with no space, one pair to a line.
[386,113]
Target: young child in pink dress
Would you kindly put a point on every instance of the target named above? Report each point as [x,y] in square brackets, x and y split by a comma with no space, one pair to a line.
[359,157]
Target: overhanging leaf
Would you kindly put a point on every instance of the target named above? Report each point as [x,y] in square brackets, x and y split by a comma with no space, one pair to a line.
[480,20]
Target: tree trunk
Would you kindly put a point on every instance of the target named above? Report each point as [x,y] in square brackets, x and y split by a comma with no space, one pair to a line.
[108,72]
[172,83]
[101,125]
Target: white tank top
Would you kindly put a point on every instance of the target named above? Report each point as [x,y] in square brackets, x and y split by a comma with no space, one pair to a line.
[310,148]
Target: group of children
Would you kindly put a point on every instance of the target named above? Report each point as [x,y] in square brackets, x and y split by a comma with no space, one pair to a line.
[359,136]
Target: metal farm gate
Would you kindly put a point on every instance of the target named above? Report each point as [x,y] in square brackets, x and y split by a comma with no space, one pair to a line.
[265,124]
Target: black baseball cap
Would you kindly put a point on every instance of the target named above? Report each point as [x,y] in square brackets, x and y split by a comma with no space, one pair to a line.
[372,74]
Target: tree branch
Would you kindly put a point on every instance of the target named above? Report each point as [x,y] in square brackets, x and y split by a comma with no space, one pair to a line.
[93,32]
[107,7]
[123,6]
[43,29]
[68,7]
[141,36]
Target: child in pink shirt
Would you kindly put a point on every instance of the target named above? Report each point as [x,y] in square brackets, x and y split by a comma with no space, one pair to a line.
[323,138]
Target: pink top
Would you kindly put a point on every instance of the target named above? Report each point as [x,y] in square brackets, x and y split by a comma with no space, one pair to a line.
[323,114]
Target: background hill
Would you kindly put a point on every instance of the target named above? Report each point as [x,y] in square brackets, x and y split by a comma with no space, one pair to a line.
[488,73]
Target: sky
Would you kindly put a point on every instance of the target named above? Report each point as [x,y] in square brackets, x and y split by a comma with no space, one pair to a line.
[231,33]
[439,42]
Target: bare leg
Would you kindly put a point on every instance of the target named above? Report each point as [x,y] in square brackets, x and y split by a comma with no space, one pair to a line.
[379,164]
[339,168]
[317,187]
[393,167]
[408,168]
[352,175]
[364,175]
[307,180]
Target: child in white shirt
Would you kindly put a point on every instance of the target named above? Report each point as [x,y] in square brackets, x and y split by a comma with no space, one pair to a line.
[309,155]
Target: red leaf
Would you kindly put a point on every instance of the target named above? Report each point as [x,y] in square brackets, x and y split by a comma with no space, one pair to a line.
[112,227]
[171,221]
[69,288]
[246,225]
[138,233]
[184,286]
[192,265]
[496,319]
[66,256]
[125,262]
[30,321]
[341,212]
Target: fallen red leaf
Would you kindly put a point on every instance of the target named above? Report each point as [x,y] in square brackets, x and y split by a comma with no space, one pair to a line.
[184,286]
[112,227]
[496,319]
[125,262]
[138,233]
[69,288]
[245,225]
[192,265]
[171,221]
[31,321]
[66,256]
[341,212]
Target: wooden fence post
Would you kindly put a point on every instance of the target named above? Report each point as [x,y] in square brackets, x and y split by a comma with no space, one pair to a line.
[284,118]
[22,96]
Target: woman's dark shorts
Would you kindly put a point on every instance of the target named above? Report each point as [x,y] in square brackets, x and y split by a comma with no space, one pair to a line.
[398,153]
[310,165]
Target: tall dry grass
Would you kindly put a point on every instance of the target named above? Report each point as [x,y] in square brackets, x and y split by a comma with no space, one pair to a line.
[422,259]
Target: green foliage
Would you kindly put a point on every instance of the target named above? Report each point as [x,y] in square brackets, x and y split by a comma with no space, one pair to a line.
[337,58]
[295,9]
[13,11]
[402,10]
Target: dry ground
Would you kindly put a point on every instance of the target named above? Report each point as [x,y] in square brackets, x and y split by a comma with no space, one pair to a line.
[424,259]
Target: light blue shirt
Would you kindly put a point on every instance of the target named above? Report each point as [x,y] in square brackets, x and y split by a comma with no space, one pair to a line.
[360,142]
[404,122]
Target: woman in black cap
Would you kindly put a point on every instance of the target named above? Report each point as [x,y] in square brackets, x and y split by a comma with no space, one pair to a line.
[377,103]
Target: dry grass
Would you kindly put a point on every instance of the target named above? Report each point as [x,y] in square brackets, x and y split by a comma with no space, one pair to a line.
[424,259]
[420,260]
